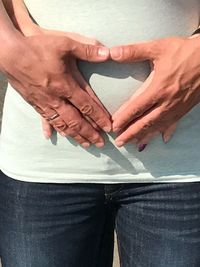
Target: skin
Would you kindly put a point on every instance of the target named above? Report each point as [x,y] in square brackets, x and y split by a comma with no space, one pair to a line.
[53,88]
[169,93]
[128,122]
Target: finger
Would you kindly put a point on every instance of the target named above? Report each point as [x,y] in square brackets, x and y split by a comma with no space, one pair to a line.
[148,124]
[136,52]
[77,124]
[67,124]
[168,133]
[87,106]
[85,86]
[139,91]
[87,52]
[78,138]
[146,139]
[137,106]
[47,128]
[61,127]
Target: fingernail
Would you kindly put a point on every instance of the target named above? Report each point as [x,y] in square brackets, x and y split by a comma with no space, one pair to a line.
[141,147]
[115,129]
[85,144]
[116,52]
[107,129]
[99,145]
[103,52]
[166,138]
[46,135]
[63,134]
[119,143]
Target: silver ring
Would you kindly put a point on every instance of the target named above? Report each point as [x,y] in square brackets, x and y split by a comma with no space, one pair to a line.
[53,117]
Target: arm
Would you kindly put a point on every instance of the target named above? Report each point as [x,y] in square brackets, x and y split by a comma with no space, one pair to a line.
[8,33]
[21,17]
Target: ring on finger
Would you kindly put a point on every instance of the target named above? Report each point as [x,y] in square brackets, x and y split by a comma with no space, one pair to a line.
[53,117]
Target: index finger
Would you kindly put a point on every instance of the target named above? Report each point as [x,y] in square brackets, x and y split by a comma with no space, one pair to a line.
[87,105]
[136,107]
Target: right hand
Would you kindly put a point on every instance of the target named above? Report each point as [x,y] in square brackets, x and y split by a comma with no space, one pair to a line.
[33,30]
[40,68]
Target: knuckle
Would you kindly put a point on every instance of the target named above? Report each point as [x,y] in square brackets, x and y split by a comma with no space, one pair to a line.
[47,112]
[101,122]
[74,125]
[129,52]
[39,110]
[86,109]
[55,86]
[72,134]
[94,138]
[55,104]
[137,113]
[88,51]
[67,93]
[147,125]
[61,126]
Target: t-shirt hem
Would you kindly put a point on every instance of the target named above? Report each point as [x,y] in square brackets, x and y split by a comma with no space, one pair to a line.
[100,179]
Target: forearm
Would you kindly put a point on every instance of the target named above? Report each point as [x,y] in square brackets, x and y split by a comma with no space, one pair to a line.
[7,29]
[20,17]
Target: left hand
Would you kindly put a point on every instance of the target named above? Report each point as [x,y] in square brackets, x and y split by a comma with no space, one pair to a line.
[171,90]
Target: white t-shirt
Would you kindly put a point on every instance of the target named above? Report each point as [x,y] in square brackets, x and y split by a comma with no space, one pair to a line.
[26,155]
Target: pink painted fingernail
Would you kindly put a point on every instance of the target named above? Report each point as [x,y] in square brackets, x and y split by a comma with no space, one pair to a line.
[141,147]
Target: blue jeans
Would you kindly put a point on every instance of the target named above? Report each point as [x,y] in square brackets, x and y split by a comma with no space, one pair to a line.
[72,225]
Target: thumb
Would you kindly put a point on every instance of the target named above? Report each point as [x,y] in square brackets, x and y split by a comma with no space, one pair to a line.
[89,52]
[135,52]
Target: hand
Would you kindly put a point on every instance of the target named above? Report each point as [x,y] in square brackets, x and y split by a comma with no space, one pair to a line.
[171,91]
[33,30]
[167,134]
[40,69]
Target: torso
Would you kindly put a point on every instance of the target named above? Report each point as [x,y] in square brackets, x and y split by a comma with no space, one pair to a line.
[112,22]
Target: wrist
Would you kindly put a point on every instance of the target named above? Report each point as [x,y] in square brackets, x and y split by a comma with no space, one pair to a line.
[9,45]
[9,36]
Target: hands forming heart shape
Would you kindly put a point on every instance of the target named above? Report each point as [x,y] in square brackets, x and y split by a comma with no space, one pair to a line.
[57,87]
[170,91]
